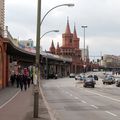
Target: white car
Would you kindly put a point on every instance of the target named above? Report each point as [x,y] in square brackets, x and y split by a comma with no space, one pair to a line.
[80,77]
[72,75]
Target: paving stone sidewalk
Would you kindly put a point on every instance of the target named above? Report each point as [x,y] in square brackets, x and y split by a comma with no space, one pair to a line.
[20,107]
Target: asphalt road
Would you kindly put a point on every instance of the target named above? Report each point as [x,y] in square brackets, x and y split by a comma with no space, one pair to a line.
[69,100]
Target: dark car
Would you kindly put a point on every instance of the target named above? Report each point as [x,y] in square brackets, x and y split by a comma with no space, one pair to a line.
[93,76]
[89,82]
[51,76]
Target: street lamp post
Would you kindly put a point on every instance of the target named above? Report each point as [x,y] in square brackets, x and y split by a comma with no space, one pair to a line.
[69,5]
[37,64]
[84,57]
[48,32]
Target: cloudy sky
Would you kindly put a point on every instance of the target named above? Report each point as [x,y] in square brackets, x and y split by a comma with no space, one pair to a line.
[101,16]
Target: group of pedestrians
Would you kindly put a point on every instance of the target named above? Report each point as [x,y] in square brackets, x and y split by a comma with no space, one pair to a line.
[21,80]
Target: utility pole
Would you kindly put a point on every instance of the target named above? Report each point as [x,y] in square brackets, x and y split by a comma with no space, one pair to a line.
[37,63]
[84,57]
[37,60]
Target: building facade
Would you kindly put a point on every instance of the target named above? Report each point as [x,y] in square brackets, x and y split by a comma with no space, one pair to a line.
[70,48]
[2,14]
[111,61]
[26,43]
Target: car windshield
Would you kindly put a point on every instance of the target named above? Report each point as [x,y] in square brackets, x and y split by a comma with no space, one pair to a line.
[89,79]
[109,78]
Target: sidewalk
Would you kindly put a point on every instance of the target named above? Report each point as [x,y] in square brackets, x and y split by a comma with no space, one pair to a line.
[21,105]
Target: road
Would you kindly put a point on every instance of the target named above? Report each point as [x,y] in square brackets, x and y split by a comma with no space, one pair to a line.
[68,100]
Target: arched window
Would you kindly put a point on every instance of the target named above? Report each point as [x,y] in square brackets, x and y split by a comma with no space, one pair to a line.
[70,40]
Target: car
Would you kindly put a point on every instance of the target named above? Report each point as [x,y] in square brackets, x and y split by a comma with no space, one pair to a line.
[118,82]
[108,80]
[72,75]
[51,76]
[80,77]
[89,82]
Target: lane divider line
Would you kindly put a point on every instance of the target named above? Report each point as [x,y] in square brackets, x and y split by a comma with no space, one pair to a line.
[94,106]
[83,101]
[76,97]
[111,113]
[117,100]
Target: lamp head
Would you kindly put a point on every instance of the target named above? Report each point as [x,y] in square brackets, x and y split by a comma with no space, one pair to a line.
[84,26]
[70,5]
[55,30]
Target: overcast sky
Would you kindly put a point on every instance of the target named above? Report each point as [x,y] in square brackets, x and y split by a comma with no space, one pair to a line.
[101,16]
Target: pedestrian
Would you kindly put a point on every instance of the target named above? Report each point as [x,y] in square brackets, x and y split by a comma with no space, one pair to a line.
[32,79]
[21,81]
[25,82]
[18,80]
[12,78]
[28,81]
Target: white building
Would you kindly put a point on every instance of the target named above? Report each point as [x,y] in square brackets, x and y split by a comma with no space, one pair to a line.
[111,61]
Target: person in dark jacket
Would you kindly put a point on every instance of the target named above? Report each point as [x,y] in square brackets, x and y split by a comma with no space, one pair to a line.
[17,80]
[25,82]
[28,81]
[12,79]
[21,81]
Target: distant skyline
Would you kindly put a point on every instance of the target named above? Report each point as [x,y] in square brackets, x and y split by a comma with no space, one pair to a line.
[101,16]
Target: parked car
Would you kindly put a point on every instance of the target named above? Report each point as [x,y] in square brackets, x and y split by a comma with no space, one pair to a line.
[108,80]
[51,76]
[89,82]
[72,75]
[118,82]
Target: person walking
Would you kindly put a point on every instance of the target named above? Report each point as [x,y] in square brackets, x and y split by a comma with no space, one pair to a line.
[25,82]
[21,81]
[28,81]
[12,78]
[18,80]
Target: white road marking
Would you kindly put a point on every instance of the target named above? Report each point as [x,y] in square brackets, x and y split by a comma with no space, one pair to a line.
[83,101]
[70,94]
[76,98]
[94,106]
[117,100]
[111,113]
[9,100]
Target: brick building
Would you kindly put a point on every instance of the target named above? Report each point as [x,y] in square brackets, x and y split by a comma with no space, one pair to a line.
[70,48]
